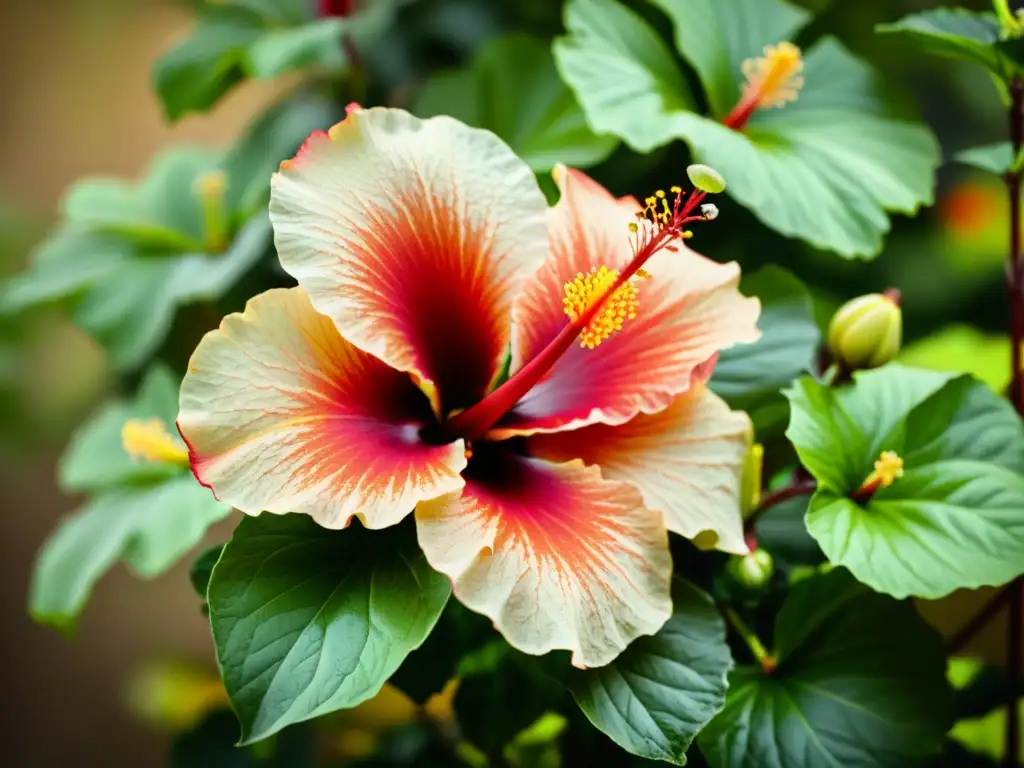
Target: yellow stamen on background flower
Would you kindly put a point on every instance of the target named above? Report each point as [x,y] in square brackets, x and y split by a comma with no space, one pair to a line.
[774,79]
[888,469]
[210,188]
[584,290]
[149,440]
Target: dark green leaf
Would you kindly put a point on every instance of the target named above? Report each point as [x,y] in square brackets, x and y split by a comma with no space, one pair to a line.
[149,527]
[750,376]
[308,620]
[860,683]
[782,530]
[953,519]
[513,89]
[458,633]
[662,690]
[502,680]
[202,567]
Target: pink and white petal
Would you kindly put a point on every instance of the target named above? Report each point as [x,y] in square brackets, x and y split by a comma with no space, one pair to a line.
[413,236]
[556,556]
[686,461]
[281,414]
[690,309]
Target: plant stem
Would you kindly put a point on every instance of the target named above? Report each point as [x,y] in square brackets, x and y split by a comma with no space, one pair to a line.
[980,620]
[760,653]
[1014,280]
[798,486]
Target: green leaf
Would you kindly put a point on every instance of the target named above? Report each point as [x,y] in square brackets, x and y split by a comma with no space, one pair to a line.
[716,36]
[512,88]
[662,690]
[499,679]
[95,458]
[953,519]
[994,158]
[954,33]
[194,75]
[860,683]
[458,633]
[963,349]
[271,138]
[279,51]
[826,168]
[623,75]
[308,620]
[149,527]
[750,376]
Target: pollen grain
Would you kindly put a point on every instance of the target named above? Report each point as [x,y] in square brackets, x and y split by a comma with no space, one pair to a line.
[775,78]
[582,291]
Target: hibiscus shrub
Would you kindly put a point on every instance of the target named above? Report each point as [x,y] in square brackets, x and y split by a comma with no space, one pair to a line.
[521,448]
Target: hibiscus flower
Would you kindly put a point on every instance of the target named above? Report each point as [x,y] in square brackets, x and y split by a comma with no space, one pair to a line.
[428,261]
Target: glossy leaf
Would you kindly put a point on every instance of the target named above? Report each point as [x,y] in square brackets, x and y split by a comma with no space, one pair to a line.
[662,690]
[826,168]
[308,620]
[860,683]
[953,519]
[513,89]
[750,376]
[149,527]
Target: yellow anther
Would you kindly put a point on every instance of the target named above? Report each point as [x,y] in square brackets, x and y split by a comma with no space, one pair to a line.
[774,79]
[660,193]
[149,440]
[686,235]
[584,290]
[651,201]
[888,469]
[633,226]
[643,274]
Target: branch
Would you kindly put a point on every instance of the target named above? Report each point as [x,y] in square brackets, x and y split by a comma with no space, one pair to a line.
[799,486]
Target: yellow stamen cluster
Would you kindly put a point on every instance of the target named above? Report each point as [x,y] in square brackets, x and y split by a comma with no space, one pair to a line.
[656,209]
[585,289]
[149,440]
[888,469]
[774,79]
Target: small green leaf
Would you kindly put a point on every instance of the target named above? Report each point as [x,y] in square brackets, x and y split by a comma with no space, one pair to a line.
[621,72]
[278,51]
[750,376]
[149,527]
[95,458]
[308,620]
[662,690]
[953,519]
[512,88]
[994,158]
[860,683]
[954,33]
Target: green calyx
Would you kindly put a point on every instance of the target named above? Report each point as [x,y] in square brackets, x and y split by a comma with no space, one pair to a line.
[752,571]
[866,332]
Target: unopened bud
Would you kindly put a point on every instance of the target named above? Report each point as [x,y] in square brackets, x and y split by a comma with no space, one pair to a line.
[752,571]
[866,332]
[706,179]
[751,479]
[709,211]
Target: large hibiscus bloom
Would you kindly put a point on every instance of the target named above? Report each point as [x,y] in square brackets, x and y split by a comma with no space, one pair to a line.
[425,252]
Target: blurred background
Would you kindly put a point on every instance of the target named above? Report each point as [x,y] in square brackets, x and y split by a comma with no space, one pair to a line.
[76,99]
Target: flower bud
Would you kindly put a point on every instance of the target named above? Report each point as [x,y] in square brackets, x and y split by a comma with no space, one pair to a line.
[752,571]
[709,211]
[866,332]
[706,179]
[751,480]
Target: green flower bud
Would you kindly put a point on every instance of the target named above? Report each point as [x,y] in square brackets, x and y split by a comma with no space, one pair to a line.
[752,571]
[706,179]
[867,331]
[751,479]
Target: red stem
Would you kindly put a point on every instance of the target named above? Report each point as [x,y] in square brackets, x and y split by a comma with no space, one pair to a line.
[797,487]
[1015,278]
[744,108]
[475,421]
